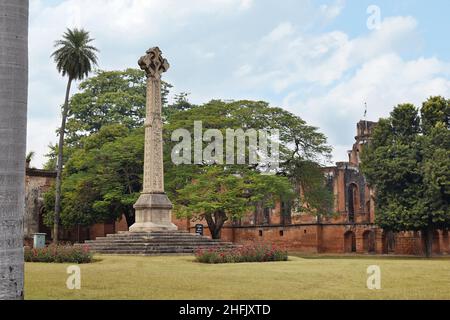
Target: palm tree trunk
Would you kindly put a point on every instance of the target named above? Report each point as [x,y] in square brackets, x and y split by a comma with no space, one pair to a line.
[13,124]
[59,168]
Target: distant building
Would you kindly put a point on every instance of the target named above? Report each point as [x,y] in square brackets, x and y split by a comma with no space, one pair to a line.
[353,228]
[37,183]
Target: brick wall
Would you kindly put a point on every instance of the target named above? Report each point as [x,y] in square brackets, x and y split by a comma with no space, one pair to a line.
[328,238]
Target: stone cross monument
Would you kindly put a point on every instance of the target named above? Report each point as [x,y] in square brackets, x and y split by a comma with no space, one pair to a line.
[153,208]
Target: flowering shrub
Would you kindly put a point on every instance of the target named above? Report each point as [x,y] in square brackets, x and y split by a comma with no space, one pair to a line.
[59,254]
[248,253]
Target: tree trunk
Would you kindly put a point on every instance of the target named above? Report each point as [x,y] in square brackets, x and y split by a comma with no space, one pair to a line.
[59,167]
[13,125]
[130,217]
[216,223]
[428,241]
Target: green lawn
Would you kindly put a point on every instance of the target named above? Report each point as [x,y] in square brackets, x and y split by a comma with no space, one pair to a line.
[179,277]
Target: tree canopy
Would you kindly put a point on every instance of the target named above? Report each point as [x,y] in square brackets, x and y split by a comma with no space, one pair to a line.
[219,194]
[301,149]
[102,180]
[109,97]
[408,163]
[104,164]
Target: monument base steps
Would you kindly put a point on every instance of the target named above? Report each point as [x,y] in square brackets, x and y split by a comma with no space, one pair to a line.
[154,243]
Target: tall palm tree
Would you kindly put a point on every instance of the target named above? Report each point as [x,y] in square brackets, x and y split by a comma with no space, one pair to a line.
[13,124]
[74,58]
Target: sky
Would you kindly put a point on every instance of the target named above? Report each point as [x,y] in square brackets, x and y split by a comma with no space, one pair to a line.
[321,60]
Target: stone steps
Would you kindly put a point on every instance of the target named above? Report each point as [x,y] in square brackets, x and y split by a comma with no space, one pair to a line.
[154,243]
[153,249]
[146,253]
[137,240]
[166,238]
[180,236]
[151,232]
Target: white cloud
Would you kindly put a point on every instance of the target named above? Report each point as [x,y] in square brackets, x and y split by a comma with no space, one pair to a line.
[326,78]
[382,82]
[41,132]
[118,26]
[290,58]
[246,4]
[282,31]
[244,70]
[236,49]
[329,12]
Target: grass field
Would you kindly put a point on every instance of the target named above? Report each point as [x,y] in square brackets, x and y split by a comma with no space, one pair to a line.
[179,277]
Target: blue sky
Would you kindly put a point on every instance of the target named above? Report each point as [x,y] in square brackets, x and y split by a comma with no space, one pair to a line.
[317,59]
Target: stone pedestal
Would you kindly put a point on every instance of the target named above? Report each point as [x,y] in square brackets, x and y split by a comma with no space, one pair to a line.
[153,213]
[153,208]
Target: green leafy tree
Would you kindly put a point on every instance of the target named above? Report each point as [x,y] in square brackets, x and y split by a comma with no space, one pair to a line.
[102,180]
[29,157]
[301,147]
[74,58]
[109,97]
[119,97]
[181,103]
[407,163]
[218,194]
[315,195]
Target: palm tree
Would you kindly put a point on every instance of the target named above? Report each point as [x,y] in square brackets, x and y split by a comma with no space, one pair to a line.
[74,58]
[13,124]
[29,157]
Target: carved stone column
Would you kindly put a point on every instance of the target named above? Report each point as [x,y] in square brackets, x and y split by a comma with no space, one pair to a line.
[153,208]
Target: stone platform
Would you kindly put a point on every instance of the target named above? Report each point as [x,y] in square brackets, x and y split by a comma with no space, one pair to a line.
[154,243]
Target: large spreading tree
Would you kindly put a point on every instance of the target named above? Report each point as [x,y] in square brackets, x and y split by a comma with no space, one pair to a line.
[109,97]
[102,177]
[408,164]
[220,194]
[199,189]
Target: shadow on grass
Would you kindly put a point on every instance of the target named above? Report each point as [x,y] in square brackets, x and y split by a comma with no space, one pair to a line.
[96,259]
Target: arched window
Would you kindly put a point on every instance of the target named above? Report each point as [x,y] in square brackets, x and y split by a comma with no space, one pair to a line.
[388,240]
[369,241]
[352,201]
[349,242]
[286,213]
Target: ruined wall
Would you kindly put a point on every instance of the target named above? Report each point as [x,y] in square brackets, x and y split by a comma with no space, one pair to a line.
[337,238]
[37,182]
[103,229]
[333,234]
[302,238]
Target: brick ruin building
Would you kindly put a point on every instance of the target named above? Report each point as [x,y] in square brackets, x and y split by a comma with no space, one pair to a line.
[352,229]
[38,182]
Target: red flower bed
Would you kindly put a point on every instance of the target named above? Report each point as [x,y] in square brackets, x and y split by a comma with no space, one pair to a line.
[247,253]
[59,254]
